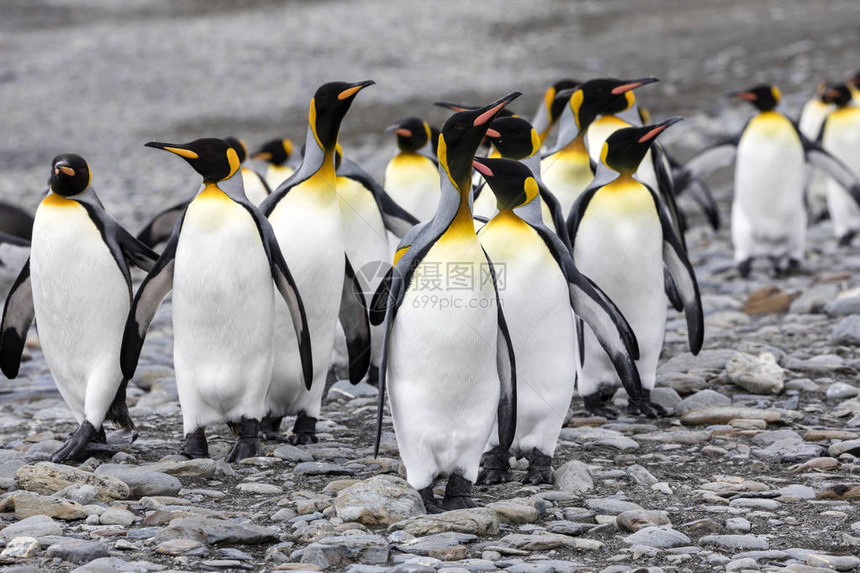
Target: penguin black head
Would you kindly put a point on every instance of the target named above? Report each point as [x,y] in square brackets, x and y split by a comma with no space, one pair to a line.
[837,94]
[603,96]
[239,146]
[554,101]
[328,108]
[412,133]
[462,134]
[276,151]
[70,175]
[214,159]
[625,149]
[512,183]
[763,97]
[513,137]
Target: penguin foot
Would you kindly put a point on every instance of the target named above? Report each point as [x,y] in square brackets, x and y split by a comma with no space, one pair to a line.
[744,268]
[248,444]
[304,431]
[595,406]
[458,493]
[76,447]
[846,239]
[269,427]
[373,375]
[430,503]
[495,467]
[196,446]
[647,407]
[540,468]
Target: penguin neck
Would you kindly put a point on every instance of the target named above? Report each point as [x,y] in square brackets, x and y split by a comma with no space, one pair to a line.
[232,187]
[317,163]
[455,207]
[568,130]
[533,163]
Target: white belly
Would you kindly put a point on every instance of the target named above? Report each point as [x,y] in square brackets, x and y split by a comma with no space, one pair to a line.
[566,174]
[307,223]
[222,315]
[842,140]
[413,182]
[81,301]
[442,374]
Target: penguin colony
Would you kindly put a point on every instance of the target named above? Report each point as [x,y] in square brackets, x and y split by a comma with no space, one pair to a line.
[522,271]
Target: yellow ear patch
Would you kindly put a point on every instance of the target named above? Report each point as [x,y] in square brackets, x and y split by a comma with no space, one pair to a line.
[442,154]
[288,146]
[531,188]
[777,95]
[312,121]
[631,99]
[186,153]
[536,142]
[603,152]
[548,98]
[576,103]
[233,160]
[429,133]
[399,254]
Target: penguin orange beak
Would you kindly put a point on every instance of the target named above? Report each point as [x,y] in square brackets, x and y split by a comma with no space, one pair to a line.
[492,133]
[354,89]
[482,169]
[263,155]
[748,96]
[632,85]
[659,128]
[65,169]
[494,108]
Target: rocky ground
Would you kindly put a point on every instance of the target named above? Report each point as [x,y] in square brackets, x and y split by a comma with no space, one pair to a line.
[756,470]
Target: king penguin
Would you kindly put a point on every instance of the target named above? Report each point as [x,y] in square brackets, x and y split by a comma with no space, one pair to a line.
[220,262]
[840,136]
[541,285]
[307,220]
[446,350]
[411,177]
[551,106]
[276,153]
[768,211]
[811,118]
[622,239]
[77,285]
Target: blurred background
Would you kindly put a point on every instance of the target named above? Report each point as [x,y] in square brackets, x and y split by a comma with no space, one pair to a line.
[101,77]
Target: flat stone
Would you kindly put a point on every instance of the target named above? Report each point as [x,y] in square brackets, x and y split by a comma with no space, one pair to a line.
[813,299]
[683,384]
[790,451]
[797,491]
[179,546]
[29,504]
[339,551]
[847,447]
[710,359]
[573,477]
[837,562]
[21,547]
[380,500]
[841,390]
[768,300]
[610,506]
[434,545]
[78,552]
[703,399]
[735,542]
[660,537]
[641,475]
[724,414]
[821,364]
[738,524]
[46,478]
[846,332]
[840,491]
[35,526]
[117,516]
[320,468]
[768,504]
[202,468]
[636,519]
[141,481]
[216,531]
[514,511]
[292,454]
[757,374]
[478,521]
[546,541]
[843,306]
[260,488]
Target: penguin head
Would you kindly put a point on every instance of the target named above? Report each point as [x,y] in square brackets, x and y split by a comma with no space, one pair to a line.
[763,97]
[553,102]
[275,151]
[214,159]
[239,146]
[514,137]
[462,134]
[602,96]
[837,94]
[412,133]
[70,175]
[328,108]
[625,149]
[512,183]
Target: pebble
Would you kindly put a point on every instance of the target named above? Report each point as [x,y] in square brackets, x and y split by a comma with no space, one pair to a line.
[659,537]
[610,506]
[380,500]
[849,446]
[320,468]
[35,526]
[142,482]
[636,519]
[216,531]
[338,551]
[841,390]
[757,374]
[77,551]
[478,521]
[573,477]
[735,542]
[47,478]
[21,547]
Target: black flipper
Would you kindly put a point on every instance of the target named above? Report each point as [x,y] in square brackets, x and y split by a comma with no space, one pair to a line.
[706,161]
[379,302]
[17,317]
[672,291]
[161,226]
[554,207]
[666,188]
[152,291]
[118,411]
[356,327]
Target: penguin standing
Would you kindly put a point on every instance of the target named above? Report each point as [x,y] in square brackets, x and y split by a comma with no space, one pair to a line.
[768,211]
[276,153]
[446,349]
[411,177]
[220,262]
[811,118]
[622,239]
[840,136]
[307,220]
[541,284]
[77,285]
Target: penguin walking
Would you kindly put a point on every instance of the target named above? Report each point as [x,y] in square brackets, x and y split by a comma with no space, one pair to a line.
[412,177]
[840,136]
[541,285]
[77,285]
[622,239]
[220,262]
[811,118]
[160,227]
[770,154]
[306,216]
[275,153]
[446,349]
